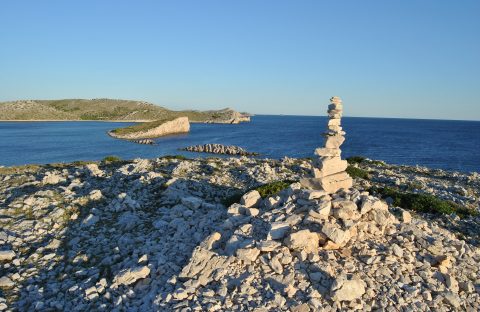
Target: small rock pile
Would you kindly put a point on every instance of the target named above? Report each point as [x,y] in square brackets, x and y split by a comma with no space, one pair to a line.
[329,169]
[219,149]
[144,141]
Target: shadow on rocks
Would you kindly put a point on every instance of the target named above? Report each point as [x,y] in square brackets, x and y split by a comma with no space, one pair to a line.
[87,258]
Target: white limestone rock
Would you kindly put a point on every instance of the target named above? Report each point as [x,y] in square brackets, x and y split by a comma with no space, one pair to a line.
[94,171]
[278,230]
[251,199]
[95,195]
[130,276]
[53,179]
[7,255]
[334,141]
[344,289]
[372,203]
[330,184]
[248,254]
[6,282]
[335,233]
[329,165]
[192,202]
[321,210]
[328,152]
[345,210]
[303,240]
[90,220]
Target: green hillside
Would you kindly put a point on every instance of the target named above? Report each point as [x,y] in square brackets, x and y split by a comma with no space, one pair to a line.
[105,109]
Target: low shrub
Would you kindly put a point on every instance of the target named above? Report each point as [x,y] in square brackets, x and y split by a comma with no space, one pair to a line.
[265,190]
[111,159]
[355,172]
[355,159]
[273,188]
[423,202]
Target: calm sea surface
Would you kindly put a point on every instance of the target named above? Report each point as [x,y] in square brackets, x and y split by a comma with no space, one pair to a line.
[451,145]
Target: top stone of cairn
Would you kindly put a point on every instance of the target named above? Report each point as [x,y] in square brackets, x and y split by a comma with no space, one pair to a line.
[335,100]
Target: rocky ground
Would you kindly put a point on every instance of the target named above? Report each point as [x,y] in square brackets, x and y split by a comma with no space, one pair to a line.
[172,234]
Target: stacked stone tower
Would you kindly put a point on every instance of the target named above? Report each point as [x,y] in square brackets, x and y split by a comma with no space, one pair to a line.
[329,168]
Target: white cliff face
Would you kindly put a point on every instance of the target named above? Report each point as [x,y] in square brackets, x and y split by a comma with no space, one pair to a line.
[329,169]
[178,125]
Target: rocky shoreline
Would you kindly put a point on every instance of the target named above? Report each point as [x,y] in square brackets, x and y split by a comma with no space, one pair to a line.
[173,234]
[219,149]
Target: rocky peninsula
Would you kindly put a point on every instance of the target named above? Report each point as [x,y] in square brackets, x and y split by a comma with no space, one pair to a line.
[237,234]
[152,129]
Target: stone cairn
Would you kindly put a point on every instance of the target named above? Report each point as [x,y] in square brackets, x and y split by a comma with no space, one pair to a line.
[329,168]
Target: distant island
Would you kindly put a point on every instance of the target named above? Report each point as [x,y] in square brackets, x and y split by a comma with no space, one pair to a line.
[108,110]
[155,121]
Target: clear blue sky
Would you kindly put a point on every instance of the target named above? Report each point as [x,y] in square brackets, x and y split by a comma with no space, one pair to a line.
[399,58]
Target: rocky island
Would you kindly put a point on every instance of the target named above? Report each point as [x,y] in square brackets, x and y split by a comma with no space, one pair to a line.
[108,110]
[153,129]
[239,234]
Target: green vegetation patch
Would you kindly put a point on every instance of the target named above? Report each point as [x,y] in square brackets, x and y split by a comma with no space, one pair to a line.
[141,127]
[273,188]
[355,159]
[265,190]
[355,172]
[111,159]
[423,202]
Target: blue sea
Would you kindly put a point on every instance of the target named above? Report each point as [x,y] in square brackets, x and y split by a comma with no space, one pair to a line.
[450,145]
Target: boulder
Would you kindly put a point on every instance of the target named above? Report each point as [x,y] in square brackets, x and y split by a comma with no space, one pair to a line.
[303,240]
[406,216]
[90,220]
[321,210]
[372,203]
[251,199]
[248,254]
[130,276]
[335,234]
[52,179]
[6,282]
[344,289]
[192,202]
[7,255]
[278,230]
[345,210]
